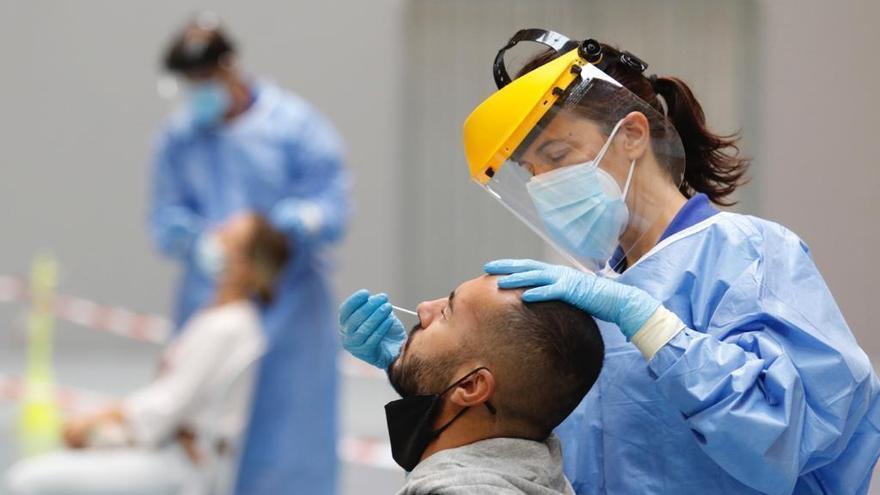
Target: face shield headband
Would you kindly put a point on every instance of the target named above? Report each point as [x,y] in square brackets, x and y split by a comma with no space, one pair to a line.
[591,50]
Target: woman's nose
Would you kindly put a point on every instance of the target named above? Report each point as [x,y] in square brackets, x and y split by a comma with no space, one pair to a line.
[541,168]
[429,310]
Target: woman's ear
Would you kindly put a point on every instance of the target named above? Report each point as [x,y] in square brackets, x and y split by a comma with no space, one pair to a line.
[635,132]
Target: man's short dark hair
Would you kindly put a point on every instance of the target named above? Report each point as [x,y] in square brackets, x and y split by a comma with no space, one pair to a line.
[545,356]
[197,48]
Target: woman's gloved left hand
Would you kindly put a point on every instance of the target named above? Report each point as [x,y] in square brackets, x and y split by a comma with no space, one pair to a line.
[626,306]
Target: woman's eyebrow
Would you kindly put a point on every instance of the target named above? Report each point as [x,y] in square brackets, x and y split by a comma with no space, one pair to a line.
[541,149]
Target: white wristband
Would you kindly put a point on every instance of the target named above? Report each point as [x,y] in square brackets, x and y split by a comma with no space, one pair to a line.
[660,328]
[311,216]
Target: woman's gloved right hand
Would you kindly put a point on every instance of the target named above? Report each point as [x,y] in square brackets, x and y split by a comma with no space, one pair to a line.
[369,329]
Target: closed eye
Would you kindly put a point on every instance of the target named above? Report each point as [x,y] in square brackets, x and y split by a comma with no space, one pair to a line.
[555,150]
[558,157]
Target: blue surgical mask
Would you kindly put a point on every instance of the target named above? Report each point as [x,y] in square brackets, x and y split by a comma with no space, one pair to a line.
[210,256]
[582,207]
[208,103]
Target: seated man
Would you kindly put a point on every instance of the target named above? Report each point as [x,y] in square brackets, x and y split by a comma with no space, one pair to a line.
[485,378]
[155,440]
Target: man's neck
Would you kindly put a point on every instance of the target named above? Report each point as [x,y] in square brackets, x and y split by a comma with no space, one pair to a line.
[465,431]
[450,440]
[228,293]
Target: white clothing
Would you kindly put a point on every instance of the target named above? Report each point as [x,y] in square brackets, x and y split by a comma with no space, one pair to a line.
[199,367]
[204,386]
[127,471]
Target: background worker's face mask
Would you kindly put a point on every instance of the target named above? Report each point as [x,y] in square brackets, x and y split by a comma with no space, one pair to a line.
[411,423]
[582,206]
[210,255]
[209,102]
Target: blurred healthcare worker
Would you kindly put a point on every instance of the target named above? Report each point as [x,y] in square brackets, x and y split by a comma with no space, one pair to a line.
[729,367]
[243,145]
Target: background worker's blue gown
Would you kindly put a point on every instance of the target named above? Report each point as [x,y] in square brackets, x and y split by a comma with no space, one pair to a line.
[767,391]
[280,158]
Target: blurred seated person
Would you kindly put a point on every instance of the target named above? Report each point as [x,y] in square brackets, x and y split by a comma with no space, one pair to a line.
[484,379]
[162,438]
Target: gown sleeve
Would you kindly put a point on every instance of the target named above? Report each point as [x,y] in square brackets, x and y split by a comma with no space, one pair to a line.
[316,205]
[174,223]
[776,384]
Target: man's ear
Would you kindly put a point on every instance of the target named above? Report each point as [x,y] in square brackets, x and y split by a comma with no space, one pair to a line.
[476,390]
[636,134]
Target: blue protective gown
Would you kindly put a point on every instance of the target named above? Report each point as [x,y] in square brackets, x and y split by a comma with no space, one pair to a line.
[767,391]
[280,158]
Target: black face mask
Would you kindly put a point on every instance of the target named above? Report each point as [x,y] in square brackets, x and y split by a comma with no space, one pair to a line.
[411,424]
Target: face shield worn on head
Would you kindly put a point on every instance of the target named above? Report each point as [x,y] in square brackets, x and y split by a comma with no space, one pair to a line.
[568,150]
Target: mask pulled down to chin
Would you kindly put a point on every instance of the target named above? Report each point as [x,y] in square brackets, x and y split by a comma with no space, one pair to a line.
[411,422]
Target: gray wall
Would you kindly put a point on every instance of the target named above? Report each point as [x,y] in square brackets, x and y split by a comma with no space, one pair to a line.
[453,226]
[79,111]
[795,77]
[818,171]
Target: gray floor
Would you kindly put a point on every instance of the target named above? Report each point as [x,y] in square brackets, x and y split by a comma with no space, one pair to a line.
[111,365]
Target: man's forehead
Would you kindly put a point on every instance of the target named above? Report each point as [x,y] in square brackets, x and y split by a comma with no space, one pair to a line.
[482,292]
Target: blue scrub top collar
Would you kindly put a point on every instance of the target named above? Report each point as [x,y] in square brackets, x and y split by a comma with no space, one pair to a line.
[694,211]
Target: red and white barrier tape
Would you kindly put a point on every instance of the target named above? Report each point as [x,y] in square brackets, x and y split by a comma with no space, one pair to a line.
[12,289]
[156,329]
[68,398]
[366,452]
[142,327]
[113,319]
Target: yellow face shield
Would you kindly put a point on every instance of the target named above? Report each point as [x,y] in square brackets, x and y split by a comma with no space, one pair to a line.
[569,151]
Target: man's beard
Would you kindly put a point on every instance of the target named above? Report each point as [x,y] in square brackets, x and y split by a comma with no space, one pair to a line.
[411,375]
[404,375]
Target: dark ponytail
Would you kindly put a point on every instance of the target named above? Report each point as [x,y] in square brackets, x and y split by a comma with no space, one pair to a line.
[713,165]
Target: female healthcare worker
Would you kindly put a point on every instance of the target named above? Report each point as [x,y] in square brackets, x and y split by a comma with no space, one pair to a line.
[729,367]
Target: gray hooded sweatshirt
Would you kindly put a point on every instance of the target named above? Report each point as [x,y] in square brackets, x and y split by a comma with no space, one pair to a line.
[494,466]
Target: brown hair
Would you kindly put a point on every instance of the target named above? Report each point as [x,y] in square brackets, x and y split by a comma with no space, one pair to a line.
[713,165]
[268,252]
[201,45]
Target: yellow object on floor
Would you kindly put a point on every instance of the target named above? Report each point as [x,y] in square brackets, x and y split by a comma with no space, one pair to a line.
[40,422]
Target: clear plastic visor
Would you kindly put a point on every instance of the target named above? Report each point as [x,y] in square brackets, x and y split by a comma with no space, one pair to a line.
[585,177]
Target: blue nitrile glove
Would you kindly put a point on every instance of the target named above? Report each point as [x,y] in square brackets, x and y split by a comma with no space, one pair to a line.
[626,306]
[298,217]
[177,230]
[370,331]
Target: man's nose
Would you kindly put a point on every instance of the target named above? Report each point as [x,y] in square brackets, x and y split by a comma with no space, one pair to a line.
[429,310]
